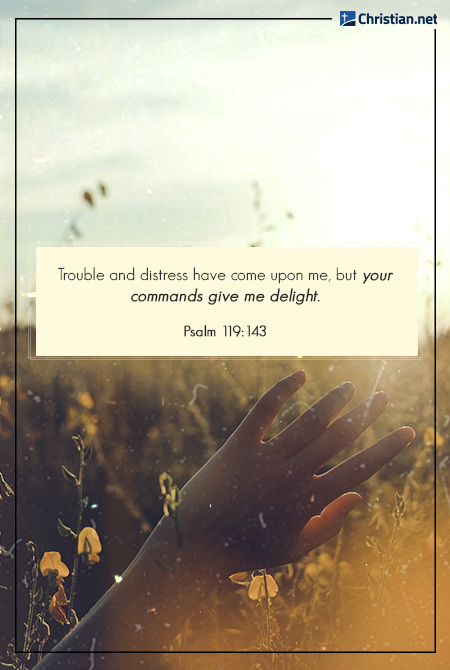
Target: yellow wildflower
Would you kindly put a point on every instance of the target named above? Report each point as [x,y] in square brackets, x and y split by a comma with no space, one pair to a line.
[257,588]
[51,566]
[85,400]
[256,584]
[428,438]
[56,605]
[89,545]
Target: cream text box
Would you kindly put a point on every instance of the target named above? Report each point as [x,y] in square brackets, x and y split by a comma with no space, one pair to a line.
[166,301]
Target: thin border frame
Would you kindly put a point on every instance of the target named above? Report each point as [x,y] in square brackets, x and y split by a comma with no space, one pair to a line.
[434,323]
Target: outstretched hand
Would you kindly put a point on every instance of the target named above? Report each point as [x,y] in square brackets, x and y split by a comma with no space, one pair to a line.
[261,504]
[253,505]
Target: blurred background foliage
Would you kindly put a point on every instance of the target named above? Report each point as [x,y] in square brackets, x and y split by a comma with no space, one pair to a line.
[144,417]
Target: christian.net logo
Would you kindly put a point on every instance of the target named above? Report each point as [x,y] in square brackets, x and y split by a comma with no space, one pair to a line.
[348,18]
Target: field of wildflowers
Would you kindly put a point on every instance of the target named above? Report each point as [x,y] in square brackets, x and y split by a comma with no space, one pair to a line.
[371,589]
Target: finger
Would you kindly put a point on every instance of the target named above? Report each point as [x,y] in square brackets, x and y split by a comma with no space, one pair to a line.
[362,466]
[341,433]
[260,418]
[314,421]
[322,528]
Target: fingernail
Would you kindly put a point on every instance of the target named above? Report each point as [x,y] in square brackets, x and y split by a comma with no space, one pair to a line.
[408,434]
[353,499]
[349,387]
[299,376]
[354,503]
[382,396]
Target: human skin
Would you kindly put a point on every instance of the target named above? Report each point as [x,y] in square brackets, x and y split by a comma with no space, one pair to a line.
[254,504]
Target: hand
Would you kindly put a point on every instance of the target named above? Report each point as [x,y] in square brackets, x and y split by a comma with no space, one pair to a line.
[253,505]
[256,502]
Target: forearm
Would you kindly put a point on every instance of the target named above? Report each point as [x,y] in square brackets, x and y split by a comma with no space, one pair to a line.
[253,505]
[146,610]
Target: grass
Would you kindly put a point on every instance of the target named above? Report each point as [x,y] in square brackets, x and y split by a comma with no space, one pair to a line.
[370,589]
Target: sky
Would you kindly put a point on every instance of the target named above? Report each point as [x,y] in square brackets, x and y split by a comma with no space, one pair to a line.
[222,132]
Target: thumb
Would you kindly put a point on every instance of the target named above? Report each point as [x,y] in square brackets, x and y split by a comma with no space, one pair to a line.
[327,524]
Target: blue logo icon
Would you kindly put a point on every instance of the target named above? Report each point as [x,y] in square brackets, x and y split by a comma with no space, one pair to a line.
[347,18]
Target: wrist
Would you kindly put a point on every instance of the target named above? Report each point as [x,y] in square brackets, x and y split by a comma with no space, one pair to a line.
[202,560]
